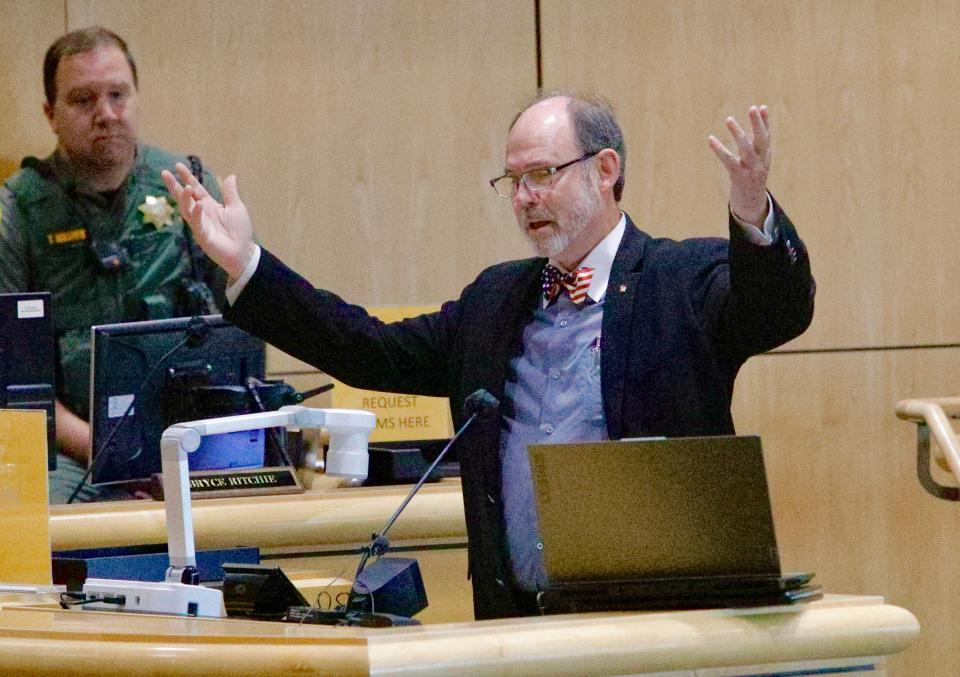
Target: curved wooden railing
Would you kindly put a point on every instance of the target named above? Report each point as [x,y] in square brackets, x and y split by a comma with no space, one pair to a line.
[932,416]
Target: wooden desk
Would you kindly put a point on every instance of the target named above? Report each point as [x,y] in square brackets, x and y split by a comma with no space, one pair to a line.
[319,532]
[324,517]
[846,634]
[323,529]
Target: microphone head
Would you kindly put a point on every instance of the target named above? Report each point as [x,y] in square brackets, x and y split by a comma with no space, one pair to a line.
[481,403]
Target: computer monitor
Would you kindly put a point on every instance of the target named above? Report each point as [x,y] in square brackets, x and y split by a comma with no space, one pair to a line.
[149,375]
[27,359]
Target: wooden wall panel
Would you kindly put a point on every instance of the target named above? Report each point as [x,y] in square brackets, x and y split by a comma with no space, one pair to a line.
[862,99]
[28,29]
[842,474]
[362,133]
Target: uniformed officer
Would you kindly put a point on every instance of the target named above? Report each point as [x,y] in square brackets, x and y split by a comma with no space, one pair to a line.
[94,225]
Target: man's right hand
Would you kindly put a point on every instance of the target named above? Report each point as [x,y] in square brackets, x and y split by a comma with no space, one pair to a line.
[223,231]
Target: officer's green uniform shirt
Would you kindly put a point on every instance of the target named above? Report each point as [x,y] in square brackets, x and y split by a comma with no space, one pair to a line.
[105,257]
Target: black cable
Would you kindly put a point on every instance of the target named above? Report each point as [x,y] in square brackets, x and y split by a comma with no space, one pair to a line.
[199,287]
[69,599]
[252,383]
[105,447]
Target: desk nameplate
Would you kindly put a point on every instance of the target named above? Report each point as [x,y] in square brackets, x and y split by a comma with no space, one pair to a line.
[236,482]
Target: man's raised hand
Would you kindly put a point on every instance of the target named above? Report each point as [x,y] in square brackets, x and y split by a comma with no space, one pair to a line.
[750,167]
[223,231]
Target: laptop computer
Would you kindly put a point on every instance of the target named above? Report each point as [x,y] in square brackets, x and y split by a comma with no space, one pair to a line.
[659,524]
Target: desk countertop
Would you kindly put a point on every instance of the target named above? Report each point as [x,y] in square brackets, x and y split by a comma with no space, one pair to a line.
[38,638]
[333,517]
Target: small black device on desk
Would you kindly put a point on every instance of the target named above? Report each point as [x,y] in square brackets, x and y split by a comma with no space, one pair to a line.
[406,462]
[263,592]
[259,591]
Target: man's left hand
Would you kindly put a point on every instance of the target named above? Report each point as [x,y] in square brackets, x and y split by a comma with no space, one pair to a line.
[748,171]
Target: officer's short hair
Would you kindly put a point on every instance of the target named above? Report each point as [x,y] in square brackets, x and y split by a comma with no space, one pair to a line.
[77,42]
[594,125]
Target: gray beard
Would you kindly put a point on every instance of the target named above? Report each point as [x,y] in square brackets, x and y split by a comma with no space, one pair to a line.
[571,227]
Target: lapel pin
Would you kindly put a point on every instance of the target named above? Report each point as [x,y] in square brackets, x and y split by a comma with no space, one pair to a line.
[623,288]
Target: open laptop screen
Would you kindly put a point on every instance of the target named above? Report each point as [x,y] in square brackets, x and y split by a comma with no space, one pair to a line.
[627,510]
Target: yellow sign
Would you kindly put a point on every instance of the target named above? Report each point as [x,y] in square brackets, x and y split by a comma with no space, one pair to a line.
[399,417]
[24,507]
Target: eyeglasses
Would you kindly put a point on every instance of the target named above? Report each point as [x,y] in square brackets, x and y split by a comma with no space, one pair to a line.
[535,179]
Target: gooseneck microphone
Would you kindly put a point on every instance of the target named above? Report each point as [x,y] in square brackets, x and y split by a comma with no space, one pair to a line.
[479,405]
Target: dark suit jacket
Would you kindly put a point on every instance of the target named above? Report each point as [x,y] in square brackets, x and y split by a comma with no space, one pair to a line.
[679,320]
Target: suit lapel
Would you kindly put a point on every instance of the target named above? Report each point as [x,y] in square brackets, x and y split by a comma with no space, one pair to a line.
[618,313]
[508,310]
[511,306]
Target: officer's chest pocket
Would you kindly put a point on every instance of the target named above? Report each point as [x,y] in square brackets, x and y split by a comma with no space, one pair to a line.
[150,244]
[155,257]
[63,265]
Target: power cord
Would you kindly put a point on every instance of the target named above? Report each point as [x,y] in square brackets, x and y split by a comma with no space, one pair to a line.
[69,599]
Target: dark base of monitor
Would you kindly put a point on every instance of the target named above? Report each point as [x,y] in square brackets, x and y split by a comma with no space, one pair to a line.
[404,465]
[313,616]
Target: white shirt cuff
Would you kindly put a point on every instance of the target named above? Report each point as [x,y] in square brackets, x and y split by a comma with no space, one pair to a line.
[769,234]
[233,291]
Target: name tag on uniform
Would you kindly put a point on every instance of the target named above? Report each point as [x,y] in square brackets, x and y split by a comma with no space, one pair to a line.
[67,236]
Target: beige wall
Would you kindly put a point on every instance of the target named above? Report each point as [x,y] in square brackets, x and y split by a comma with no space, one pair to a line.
[842,473]
[862,100]
[364,132]
[28,27]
